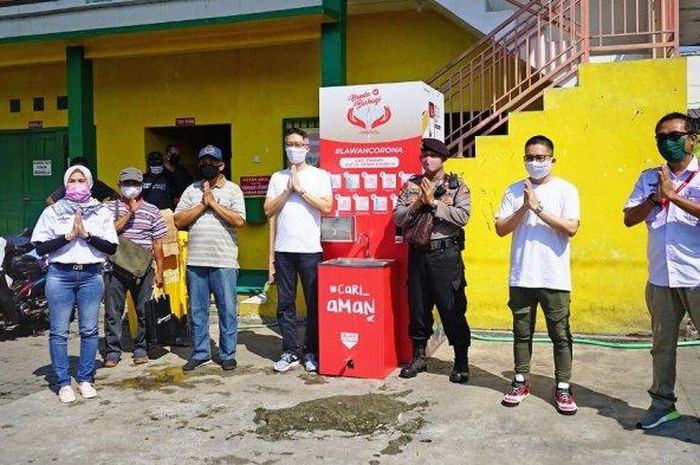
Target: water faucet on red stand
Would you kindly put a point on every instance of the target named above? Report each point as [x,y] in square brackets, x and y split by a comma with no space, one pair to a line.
[364,238]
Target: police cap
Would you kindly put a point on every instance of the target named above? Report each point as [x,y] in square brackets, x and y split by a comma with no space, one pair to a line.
[436,146]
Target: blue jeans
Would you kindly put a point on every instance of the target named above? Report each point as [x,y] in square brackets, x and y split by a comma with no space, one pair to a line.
[202,281]
[64,288]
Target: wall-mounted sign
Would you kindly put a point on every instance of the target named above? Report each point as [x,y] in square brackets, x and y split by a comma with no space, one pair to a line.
[41,167]
[35,124]
[254,186]
[189,121]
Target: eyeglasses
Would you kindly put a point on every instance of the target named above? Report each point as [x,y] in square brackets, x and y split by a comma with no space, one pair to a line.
[674,135]
[296,144]
[536,157]
[209,163]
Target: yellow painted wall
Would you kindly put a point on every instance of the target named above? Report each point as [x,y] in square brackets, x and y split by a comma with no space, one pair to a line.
[402,46]
[603,133]
[602,130]
[253,90]
[27,82]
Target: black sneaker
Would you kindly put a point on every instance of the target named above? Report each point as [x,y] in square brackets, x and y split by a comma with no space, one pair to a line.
[656,416]
[229,365]
[193,364]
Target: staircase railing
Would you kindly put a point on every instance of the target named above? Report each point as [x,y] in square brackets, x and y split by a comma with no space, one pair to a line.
[541,45]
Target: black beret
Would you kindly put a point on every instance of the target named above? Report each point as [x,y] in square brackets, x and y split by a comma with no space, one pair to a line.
[437,146]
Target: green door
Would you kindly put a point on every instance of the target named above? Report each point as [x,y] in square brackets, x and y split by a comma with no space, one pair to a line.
[33,162]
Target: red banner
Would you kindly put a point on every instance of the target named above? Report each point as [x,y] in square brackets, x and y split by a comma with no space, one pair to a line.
[254,186]
[366,177]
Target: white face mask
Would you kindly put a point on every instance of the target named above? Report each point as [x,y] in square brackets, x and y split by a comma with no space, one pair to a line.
[131,192]
[538,169]
[296,155]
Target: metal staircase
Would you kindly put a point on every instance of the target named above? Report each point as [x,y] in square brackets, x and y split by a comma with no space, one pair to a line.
[541,46]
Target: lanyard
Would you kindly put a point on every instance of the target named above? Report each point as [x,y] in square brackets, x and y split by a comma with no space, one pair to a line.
[664,202]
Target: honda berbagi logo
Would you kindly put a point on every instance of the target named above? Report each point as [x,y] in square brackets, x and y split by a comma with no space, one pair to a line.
[366,110]
[349,340]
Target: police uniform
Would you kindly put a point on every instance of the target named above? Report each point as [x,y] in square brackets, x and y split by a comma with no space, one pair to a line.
[435,269]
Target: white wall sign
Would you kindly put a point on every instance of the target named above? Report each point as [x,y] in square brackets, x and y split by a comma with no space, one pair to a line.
[41,168]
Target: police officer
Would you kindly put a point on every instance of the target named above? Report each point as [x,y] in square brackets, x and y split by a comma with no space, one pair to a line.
[432,210]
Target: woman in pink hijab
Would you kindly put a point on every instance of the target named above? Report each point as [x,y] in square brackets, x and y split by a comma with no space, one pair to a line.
[77,233]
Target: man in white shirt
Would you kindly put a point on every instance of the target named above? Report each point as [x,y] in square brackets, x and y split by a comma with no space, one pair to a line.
[667,199]
[542,212]
[297,196]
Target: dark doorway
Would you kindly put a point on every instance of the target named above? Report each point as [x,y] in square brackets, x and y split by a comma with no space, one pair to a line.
[190,139]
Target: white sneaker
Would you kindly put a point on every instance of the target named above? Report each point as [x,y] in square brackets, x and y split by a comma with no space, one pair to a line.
[286,362]
[86,390]
[311,362]
[66,395]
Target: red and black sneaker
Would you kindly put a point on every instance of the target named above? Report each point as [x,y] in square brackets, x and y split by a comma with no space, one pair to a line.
[517,392]
[566,402]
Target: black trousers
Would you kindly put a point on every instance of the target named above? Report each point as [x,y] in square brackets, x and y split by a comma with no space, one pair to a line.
[115,298]
[288,266]
[436,278]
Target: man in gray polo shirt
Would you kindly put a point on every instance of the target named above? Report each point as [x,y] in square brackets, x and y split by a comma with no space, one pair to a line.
[212,210]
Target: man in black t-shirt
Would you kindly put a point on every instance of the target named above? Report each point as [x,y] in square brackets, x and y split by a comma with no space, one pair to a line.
[100,190]
[180,178]
[158,187]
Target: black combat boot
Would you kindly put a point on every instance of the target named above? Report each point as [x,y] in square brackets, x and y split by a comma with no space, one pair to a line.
[417,364]
[460,371]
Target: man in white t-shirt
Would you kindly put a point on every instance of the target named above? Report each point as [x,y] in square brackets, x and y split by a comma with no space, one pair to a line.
[296,197]
[542,212]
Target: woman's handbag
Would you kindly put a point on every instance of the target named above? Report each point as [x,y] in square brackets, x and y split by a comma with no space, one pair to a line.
[130,261]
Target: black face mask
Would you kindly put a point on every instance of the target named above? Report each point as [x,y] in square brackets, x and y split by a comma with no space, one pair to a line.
[209,171]
[174,158]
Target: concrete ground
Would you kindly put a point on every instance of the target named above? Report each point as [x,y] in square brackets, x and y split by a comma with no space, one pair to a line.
[153,414]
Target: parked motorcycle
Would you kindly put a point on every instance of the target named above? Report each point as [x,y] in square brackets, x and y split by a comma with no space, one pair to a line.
[22,285]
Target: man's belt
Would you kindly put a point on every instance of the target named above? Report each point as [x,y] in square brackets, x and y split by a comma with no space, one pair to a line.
[444,243]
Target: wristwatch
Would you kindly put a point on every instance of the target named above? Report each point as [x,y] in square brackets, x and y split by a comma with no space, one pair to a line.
[653,201]
[302,192]
[539,209]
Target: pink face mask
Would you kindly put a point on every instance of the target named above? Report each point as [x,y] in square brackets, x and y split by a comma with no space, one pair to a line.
[431,164]
[78,192]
